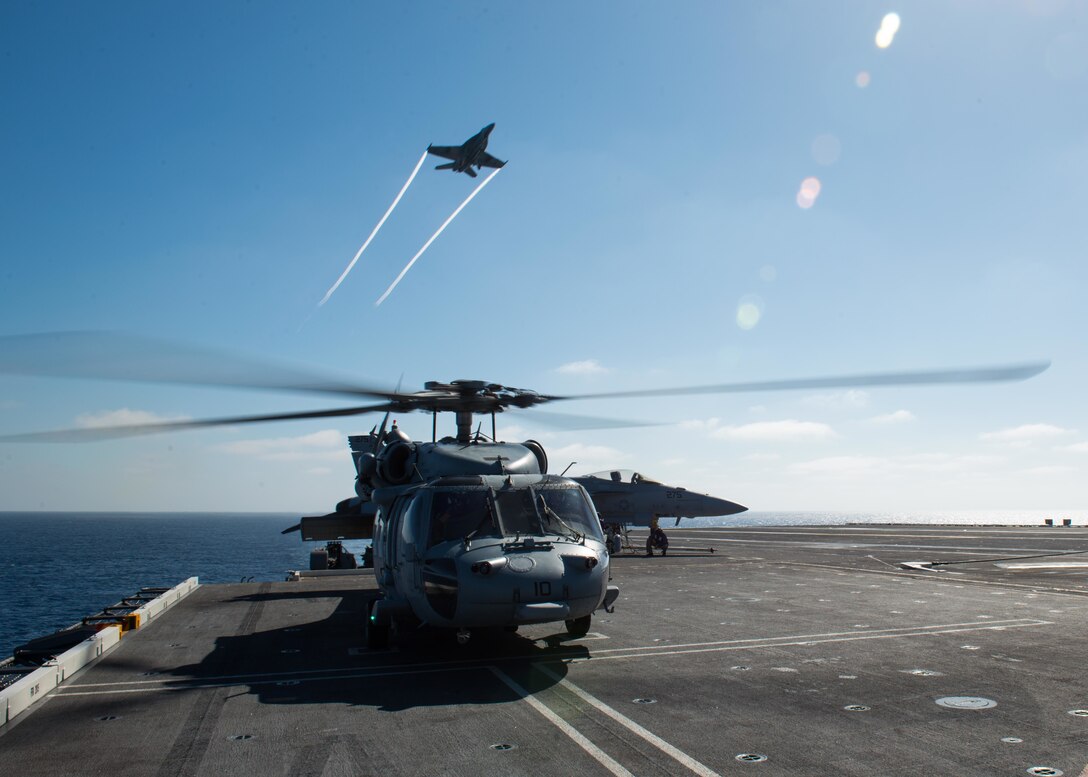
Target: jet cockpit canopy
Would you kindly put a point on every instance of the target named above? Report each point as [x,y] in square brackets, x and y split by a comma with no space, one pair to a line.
[624,476]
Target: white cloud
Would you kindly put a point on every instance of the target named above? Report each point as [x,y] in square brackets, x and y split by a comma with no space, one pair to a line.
[589,458]
[775,431]
[845,466]
[123,417]
[590,451]
[762,457]
[838,400]
[946,462]
[1077,447]
[326,445]
[1026,434]
[1059,469]
[584,367]
[885,466]
[701,425]
[898,417]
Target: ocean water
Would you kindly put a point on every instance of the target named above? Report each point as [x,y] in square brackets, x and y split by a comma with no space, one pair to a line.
[56,568]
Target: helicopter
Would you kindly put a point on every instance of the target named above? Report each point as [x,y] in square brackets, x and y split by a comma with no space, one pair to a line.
[468,532]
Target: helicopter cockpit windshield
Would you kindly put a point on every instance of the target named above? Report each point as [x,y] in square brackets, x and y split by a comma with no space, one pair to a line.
[624,476]
[546,510]
[457,514]
[528,511]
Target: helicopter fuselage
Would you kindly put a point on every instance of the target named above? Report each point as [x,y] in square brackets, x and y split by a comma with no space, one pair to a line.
[488,551]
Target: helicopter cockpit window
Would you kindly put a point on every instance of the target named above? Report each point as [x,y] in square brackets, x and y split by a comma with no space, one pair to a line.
[570,508]
[516,511]
[559,511]
[457,514]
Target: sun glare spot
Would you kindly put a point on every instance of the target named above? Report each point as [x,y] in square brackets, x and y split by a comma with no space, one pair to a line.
[862,79]
[747,315]
[749,311]
[768,273]
[826,150]
[889,26]
[807,194]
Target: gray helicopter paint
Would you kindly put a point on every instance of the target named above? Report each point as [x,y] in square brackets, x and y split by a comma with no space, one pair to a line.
[535,578]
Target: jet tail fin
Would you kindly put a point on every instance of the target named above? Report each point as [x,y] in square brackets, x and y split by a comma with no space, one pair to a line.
[444,167]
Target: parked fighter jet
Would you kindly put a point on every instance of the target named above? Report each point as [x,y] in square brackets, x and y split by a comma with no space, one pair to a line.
[468,154]
[632,499]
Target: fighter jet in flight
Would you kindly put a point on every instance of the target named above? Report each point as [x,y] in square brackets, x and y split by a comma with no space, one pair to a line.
[468,154]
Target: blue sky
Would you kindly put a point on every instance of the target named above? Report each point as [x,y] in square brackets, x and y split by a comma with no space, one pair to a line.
[203,173]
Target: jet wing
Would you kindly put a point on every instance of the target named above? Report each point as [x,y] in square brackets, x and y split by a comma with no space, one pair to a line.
[486,160]
[448,152]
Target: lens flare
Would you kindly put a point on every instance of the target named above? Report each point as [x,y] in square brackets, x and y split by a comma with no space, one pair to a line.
[863,79]
[749,311]
[807,194]
[826,150]
[889,26]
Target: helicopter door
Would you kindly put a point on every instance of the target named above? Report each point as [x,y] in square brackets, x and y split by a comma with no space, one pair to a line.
[389,537]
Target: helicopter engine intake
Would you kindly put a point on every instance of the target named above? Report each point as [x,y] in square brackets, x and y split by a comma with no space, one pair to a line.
[394,463]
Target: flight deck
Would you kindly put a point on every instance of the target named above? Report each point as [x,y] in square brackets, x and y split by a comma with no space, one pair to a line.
[847,650]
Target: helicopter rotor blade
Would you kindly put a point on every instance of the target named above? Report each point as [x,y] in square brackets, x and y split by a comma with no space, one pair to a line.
[1014,372]
[567,421]
[124,357]
[93,434]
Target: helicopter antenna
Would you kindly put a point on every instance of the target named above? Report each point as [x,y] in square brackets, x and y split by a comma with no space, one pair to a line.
[564,472]
[385,420]
[494,437]
[381,432]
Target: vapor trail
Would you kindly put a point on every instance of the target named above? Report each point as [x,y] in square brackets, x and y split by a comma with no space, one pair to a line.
[427,245]
[359,253]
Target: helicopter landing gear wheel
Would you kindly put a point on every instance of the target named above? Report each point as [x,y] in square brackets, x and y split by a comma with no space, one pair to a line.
[579,627]
[375,635]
